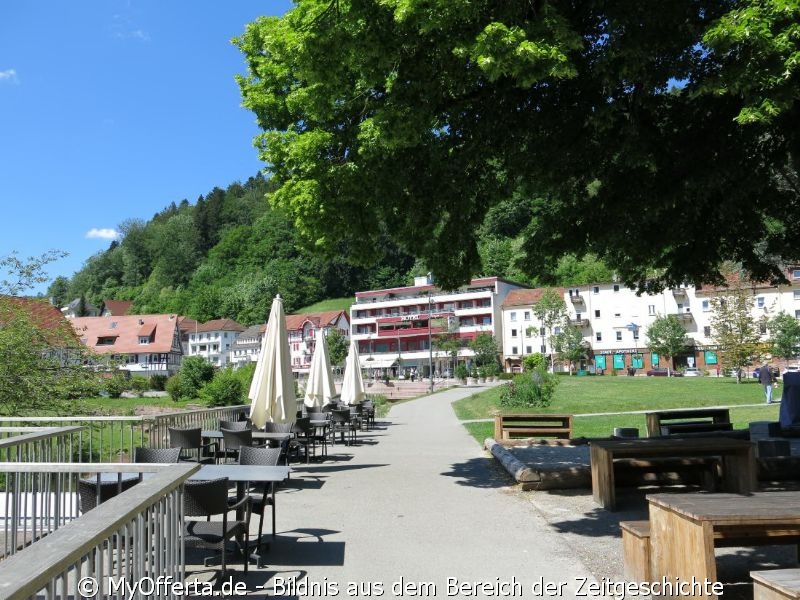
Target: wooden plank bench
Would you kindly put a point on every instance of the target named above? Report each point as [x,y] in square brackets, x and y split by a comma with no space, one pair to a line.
[693,419]
[637,552]
[777,584]
[704,470]
[695,427]
[509,427]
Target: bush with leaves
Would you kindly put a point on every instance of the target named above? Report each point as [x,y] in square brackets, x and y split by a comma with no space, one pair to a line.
[529,390]
[115,385]
[532,362]
[196,371]
[174,387]
[139,384]
[158,382]
[224,390]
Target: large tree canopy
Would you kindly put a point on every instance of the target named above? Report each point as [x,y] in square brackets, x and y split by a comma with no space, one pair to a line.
[659,137]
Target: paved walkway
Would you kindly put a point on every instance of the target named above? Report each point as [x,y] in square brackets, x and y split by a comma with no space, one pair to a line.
[416,501]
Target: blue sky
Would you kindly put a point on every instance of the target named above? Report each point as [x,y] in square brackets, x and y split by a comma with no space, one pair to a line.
[113,109]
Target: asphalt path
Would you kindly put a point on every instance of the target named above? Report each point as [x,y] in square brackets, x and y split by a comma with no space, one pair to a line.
[415,509]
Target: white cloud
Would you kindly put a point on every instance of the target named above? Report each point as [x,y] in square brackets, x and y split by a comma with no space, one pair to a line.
[8,76]
[103,234]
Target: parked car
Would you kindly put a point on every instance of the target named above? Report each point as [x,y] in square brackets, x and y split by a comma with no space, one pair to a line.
[791,369]
[663,373]
[775,373]
[692,372]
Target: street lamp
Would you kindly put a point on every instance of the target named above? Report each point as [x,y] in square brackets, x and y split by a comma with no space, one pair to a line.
[430,344]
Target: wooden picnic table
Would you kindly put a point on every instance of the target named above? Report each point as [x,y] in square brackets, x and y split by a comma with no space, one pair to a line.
[737,457]
[684,528]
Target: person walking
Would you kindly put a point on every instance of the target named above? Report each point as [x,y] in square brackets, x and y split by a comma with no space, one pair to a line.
[767,379]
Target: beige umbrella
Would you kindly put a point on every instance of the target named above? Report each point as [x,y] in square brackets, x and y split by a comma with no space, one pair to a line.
[272,390]
[353,384]
[320,389]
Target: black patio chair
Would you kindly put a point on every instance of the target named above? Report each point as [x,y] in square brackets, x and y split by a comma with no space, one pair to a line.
[264,494]
[284,445]
[190,441]
[233,440]
[235,425]
[206,499]
[91,493]
[156,455]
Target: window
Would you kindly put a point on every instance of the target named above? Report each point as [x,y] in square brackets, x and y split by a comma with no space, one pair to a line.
[541,331]
[617,315]
[513,316]
[797,294]
[651,309]
[514,334]
[556,330]
[527,316]
[619,336]
[528,332]
[636,333]
[543,349]
[529,349]
[760,301]
[597,314]
[596,289]
[707,331]
[797,314]
[762,328]
[706,305]
[514,350]
[616,287]
[144,339]
[598,336]
[796,274]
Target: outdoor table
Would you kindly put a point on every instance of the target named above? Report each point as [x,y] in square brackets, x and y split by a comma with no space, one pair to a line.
[243,475]
[216,434]
[738,461]
[685,527]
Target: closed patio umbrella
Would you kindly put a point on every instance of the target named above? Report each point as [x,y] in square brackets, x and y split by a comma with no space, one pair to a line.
[272,390]
[320,389]
[353,384]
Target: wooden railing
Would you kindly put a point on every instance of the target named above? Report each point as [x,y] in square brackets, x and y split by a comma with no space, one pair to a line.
[131,537]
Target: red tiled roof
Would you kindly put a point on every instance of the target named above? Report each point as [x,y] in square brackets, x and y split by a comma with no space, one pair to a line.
[185,324]
[220,325]
[126,331]
[117,307]
[318,319]
[525,297]
[44,315]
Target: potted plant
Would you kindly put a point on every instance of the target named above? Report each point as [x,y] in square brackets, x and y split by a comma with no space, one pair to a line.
[481,374]
[473,376]
[461,373]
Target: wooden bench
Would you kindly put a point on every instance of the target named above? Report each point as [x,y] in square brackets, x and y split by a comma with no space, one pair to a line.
[637,552]
[510,427]
[695,420]
[778,584]
[703,470]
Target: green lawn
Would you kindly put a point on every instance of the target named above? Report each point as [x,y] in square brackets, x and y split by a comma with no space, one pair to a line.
[332,304]
[590,397]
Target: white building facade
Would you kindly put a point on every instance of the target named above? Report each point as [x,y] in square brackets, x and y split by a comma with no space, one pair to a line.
[396,328]
[213,340]
[614,323]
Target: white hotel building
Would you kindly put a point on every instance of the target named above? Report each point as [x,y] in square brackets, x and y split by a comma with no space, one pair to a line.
[614,322]
[395,327]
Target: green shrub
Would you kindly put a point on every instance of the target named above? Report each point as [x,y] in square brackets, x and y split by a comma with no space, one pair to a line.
[224,390]
[139,384]
[174,387]
[115,385]
[245,375]
[505,376]
[529,390]
[196,371]
[461,371]
[533,361]
[158,382]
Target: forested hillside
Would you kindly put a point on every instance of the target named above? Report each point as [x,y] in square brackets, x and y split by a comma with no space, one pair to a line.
[228,254]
